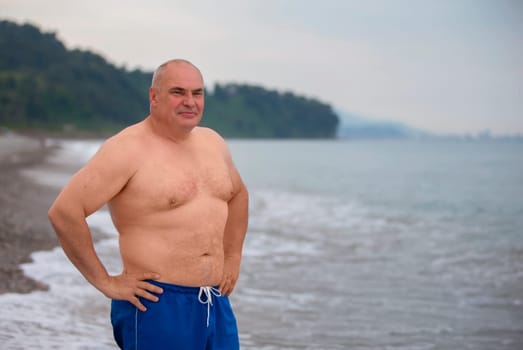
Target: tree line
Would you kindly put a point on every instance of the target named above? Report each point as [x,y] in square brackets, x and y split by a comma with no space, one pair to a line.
[45,86]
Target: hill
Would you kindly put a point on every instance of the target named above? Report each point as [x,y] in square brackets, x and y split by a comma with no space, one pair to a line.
[252,111]
[43,85]
[353,126]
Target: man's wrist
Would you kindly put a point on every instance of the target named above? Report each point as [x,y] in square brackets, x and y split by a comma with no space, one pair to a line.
[102,283]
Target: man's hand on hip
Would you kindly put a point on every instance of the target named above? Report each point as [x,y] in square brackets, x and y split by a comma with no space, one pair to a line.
[131,286]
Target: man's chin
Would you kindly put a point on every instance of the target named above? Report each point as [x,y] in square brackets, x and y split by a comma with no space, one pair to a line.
[190,123]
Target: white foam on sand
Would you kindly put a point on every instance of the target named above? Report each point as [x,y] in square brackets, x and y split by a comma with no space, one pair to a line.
[71,314]
[59,167]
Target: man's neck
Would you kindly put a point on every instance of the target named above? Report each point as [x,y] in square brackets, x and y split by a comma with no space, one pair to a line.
[167,131]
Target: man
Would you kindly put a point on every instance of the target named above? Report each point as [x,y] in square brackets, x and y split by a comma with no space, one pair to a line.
[180,208]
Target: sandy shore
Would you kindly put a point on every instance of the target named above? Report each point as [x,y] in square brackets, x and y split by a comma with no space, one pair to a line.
[24,227]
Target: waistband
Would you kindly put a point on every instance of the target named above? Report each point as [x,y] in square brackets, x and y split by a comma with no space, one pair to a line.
[177,288]
[204,294]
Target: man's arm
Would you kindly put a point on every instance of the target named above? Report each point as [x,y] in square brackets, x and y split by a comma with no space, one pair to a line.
[234,234]
[89,189]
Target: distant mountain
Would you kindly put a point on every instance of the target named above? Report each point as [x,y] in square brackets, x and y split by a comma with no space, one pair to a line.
[354,126]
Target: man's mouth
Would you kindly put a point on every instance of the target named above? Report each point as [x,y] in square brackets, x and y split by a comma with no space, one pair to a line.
[187,113]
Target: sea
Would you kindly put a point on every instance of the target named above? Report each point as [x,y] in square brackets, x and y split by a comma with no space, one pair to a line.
[352,244]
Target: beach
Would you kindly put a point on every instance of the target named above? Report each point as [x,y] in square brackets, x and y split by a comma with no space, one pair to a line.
[351,245]
[24,227]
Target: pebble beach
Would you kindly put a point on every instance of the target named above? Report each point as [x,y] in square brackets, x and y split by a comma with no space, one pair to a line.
[24,227]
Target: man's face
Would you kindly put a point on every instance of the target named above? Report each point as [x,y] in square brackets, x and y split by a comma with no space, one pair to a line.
[179,96]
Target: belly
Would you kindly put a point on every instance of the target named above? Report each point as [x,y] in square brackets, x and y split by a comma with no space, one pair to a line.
[184,245]
[176,260]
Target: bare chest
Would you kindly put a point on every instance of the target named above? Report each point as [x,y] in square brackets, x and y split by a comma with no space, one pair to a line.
[170,182]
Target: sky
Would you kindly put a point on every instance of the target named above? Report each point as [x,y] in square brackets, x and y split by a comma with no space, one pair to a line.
[446,66]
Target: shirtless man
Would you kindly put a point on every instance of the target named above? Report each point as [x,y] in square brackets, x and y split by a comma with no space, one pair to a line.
[180,208]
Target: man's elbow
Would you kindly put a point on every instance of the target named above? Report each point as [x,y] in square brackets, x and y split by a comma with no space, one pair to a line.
[54,214]
[60,215]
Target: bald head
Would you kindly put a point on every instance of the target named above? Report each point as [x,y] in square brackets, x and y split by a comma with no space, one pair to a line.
[159,72]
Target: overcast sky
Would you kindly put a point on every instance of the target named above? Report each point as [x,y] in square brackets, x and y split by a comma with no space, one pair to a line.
[439,65]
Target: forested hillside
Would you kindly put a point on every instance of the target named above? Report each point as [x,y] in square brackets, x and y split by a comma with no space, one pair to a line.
[251,111]
[43,85]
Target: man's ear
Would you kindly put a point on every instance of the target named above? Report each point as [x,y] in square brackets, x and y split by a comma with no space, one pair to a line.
[153,96]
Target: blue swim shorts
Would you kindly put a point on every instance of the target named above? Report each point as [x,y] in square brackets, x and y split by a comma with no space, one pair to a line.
[189,318]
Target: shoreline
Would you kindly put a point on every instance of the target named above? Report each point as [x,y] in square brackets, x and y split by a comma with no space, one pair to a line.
[24,227]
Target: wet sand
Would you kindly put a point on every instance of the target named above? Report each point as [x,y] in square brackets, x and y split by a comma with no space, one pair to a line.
[24,227]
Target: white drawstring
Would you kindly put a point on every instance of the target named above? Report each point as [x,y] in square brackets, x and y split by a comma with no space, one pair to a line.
[208,291]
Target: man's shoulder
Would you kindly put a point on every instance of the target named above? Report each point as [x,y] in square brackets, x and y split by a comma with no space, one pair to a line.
[133,134]
[127,141]
[209,135]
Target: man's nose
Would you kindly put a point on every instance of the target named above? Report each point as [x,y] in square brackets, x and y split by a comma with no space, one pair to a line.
[188,100]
